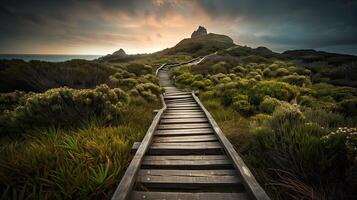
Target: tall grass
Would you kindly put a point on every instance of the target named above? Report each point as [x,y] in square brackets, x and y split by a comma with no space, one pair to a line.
[85,163]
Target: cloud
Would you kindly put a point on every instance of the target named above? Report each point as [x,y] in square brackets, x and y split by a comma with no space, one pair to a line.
[82,26]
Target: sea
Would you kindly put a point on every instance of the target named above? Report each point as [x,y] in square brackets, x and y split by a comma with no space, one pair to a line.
[49,58]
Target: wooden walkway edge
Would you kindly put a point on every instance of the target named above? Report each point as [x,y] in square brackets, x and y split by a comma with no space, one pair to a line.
[185,155]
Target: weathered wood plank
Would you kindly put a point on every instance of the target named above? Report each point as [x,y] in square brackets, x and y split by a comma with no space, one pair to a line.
[177,97]
[186,145]
[193,108]
[184,112]
[183,120]
[182,116]
[197,138]
[184,178]
[183,126]
[141,195]
[187,162]
[178,132]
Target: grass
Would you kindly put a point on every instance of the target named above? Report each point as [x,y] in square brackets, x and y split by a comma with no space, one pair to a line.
[85,163]
[290,160]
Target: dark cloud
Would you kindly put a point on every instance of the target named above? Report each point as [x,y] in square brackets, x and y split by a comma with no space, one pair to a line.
[312,24]
[277,24]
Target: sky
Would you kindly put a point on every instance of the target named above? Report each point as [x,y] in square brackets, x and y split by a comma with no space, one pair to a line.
[143,26]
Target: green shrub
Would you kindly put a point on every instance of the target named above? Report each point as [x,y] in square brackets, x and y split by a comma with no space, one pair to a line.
[282,72]
[198,85]
[68,107]
[241,104]
[298,80]
[286,116]
[348,107]
[279,90]
[306,100]
[149,91]
[269,104]
[139,69]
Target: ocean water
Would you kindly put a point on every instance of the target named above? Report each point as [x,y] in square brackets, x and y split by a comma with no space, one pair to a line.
[49,58]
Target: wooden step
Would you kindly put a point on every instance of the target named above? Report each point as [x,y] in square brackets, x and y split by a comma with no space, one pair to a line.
[183,120]
[180,132]
[187,162]
[183,112]
[178,97]
[187,179]
[146,195]
[179,116]
[183,126]
[192,108]
[196,138]
[185,148]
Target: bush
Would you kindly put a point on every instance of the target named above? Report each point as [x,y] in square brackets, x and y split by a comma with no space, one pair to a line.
[198,85]
[241,104]
[286,116]
[149,91]
[279,90]
[68,107]
[269,104]
[139,69]
[298,80]
[348,107]
[282,72]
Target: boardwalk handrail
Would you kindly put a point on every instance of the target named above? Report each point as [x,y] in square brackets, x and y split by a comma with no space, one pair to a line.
[127,182]
[251,184]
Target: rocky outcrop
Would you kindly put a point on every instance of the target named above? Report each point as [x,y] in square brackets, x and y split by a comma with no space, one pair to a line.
[120,52]
[201,31]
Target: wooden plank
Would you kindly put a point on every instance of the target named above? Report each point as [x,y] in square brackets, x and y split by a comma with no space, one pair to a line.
[176,105]
[182,116]
[174,150]
[187,162]
[183,120]
[145,195]
[179,132]
[178,112]
[196,138]
[252,186]
[184,178]
[192,108]
[186,145]
[177,97]
[183,126]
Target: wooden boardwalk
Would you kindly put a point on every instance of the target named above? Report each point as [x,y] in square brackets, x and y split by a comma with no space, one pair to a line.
[185,155]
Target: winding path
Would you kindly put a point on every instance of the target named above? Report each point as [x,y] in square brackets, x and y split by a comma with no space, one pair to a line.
[185,155]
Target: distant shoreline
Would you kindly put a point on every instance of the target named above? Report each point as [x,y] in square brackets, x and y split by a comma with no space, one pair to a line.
[47,57]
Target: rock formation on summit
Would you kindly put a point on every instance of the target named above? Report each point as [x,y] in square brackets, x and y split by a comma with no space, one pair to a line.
[201,31]
[120,52]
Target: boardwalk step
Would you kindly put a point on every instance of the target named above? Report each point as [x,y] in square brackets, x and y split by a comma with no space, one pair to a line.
[141,195]
[187,179]
[185,148]
[196,138]
[187,162]
[183,120]
[183,126]
[180,132]
[182,116]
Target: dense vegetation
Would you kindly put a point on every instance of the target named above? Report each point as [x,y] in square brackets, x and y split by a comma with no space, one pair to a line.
[68,133]
[297,134]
